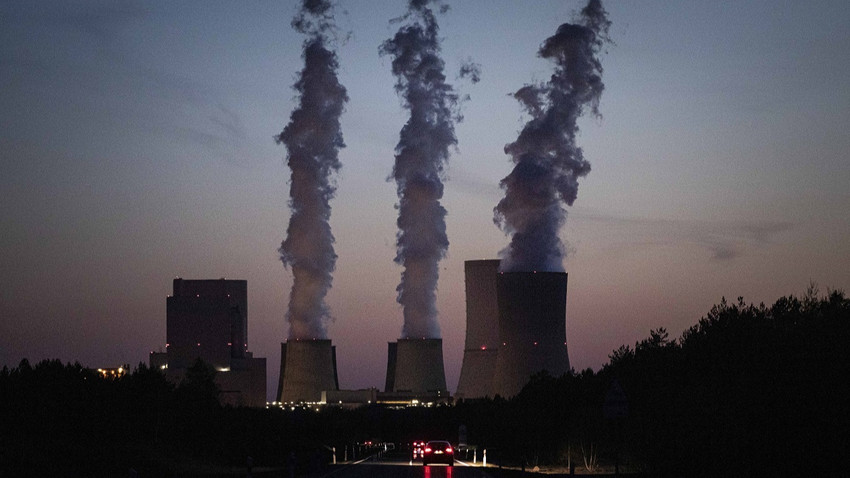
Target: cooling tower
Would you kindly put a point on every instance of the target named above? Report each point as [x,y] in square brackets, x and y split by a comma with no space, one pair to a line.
[416,365]
[482,330]
[532,328]
[307,368]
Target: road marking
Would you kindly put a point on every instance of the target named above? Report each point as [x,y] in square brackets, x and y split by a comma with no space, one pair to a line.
[346,466]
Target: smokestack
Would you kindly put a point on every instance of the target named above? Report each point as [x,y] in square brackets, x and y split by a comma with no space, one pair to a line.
[421,153]
[532,328]
[482,330]
[307,368]
[416,365]
[313,138]
[547,160]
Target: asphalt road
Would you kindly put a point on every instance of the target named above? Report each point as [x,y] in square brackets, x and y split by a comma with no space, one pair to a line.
[404,469]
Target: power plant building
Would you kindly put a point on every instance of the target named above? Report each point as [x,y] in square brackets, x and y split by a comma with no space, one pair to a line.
[532,328]
[307,369]
[481,347]
[415,375]
[208,320]
[516,327]
[415,369]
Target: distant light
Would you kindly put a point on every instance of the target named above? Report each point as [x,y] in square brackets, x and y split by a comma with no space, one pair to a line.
[167,345]
[163,367]
[535,343]
[199,344]
[229,343]
[483,347]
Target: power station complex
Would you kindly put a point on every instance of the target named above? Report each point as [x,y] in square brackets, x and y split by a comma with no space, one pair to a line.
[515,327]
[414,372]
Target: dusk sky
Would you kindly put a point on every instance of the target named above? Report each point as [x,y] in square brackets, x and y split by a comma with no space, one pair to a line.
[137,146]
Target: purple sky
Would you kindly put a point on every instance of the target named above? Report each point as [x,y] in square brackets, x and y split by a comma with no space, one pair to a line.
[137,146]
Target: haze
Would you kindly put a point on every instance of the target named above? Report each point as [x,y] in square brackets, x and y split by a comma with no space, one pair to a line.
[138,146]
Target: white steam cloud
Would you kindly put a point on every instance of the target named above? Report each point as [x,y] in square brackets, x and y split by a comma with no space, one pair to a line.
[547,160]
[313,139]
[421,153]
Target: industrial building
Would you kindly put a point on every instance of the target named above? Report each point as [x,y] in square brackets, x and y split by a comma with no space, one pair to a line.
[516,327]
[208,320]
[481,346]
[415,366]
[415,375]
[307,369]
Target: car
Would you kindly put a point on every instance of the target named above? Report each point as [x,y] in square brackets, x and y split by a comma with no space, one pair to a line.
[438,451]
[418,447]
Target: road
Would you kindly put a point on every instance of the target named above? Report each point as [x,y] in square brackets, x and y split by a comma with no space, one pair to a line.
[403,469]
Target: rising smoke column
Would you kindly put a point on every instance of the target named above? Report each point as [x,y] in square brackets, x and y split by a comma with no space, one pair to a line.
[312,138]
[548,162]
[421,153]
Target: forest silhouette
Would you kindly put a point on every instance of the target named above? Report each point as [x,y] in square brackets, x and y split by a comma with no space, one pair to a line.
[748,390]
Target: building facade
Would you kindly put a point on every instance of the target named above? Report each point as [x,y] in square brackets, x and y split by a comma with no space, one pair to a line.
[208,320]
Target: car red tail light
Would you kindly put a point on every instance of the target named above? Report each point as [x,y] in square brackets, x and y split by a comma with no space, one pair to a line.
[448,449]
[427,449]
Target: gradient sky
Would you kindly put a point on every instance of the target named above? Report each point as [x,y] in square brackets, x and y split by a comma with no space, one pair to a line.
[137,146]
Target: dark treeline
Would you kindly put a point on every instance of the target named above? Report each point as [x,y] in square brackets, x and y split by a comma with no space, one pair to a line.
[66,420]
[747,391]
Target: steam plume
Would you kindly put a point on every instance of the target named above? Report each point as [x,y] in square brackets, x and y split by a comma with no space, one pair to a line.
[313,139]
[548,162]
[421,153]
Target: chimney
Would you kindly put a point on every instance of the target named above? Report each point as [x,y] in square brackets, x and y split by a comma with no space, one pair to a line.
[307,368]
[532,328]
[416,365]
[482,330]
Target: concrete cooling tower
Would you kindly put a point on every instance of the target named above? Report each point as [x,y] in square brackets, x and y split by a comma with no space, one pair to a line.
[482,330]
[307,368]
[532,328]
[416,366]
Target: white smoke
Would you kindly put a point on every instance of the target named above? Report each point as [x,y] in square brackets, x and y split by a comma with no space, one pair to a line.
[548,161]
[421,154]
[312,138]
